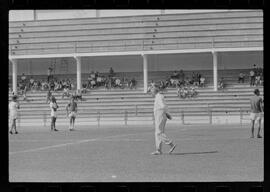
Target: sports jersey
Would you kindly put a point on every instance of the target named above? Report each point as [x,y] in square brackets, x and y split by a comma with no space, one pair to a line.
[13,107]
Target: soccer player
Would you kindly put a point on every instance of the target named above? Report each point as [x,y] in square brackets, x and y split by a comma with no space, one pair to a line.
[71,109]
[256,112]
[13,107]
[53,107]
[161,114]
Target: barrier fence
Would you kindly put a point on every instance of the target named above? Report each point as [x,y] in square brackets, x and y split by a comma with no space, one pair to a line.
[205,115]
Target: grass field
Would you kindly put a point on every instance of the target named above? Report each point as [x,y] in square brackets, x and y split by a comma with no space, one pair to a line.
[123,153]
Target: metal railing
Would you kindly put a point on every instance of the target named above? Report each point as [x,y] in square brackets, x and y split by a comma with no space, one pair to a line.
[205,115]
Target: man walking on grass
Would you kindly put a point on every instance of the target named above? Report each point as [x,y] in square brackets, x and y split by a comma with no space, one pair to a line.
[161,114]
[256,112]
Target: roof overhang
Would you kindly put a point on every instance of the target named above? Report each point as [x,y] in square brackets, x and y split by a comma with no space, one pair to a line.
[153,52]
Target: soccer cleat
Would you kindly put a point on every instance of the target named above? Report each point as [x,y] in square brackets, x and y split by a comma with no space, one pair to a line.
[55,130]
[71,129]
[156,153]
[11,132]
[172,148]
[259,136]
[16,132]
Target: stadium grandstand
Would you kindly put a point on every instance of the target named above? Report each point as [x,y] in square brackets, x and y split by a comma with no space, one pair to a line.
[56,49]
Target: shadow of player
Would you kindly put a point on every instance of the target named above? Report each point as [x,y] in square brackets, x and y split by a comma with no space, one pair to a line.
[194,153]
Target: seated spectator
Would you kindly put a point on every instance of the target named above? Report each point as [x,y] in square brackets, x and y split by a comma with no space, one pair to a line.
[35,86]
[192,91]
[252,77]
[151,86]
[99,81]
[132,83]
[118,82]
[23,78]
[175,75]
[92,83]
[162,85]
[241,78]
[221,83]
[257,80]
[84,88]
[31,82]
[202,81]
[168,83]
[78,95]
[182,92]
[66,93]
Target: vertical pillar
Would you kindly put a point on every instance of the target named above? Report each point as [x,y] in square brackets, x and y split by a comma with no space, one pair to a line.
[97,13]
[145,73]
[14,75]
[215,70]
[79,71]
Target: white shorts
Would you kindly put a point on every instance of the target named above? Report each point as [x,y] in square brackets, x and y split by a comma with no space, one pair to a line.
[13,116]
[255,116]
[72,114]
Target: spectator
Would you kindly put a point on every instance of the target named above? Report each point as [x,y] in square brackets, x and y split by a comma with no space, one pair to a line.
[192,91]
[49,95]
[31,82]
[151,86]
[198,76]
[24,92]
[202,81]
[118,82]
[175,75]
[257,80]
[132,83]
[23,78]
[99,81]
[78,95]
[66,93]
[49,73]
[252,77]
[241,78]
[221,83]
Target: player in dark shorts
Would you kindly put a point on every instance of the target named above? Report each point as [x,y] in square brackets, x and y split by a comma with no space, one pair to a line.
[256,112]
[71,109]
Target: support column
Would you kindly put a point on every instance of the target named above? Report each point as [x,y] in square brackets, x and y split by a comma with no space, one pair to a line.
[145,73]
[79,71]
[14,75]
[215,70]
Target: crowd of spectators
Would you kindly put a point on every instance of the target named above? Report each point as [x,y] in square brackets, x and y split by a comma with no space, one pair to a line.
[255,76]
[110,81]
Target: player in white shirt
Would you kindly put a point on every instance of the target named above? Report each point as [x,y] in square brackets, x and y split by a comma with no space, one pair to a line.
[13,108]
[161,114]
[53,107]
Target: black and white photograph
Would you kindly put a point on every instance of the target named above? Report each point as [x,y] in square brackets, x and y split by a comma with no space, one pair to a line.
[136,95]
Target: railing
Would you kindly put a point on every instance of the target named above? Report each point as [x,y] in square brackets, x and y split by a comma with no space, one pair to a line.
[204,115]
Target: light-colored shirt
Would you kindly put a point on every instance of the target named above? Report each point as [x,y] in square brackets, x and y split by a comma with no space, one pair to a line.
[53,107]
[256,102]
[160,103]
[13,107]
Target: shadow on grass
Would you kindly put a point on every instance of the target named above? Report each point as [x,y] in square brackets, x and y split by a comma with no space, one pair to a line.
[194,153]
